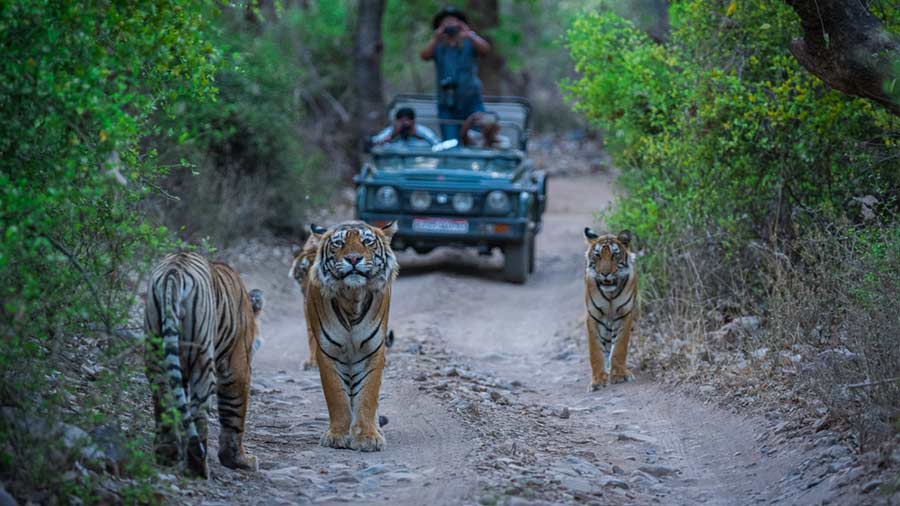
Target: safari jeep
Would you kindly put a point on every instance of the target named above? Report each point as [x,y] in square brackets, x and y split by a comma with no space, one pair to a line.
[449,195]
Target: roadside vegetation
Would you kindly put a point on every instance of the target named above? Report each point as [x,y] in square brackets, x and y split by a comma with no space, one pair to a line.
[765,203]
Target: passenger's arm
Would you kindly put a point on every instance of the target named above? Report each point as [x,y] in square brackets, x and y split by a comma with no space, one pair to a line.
[428,52]
[383,136]
[482,47]
[466,126]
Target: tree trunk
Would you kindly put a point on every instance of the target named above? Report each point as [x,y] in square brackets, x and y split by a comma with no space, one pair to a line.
[848,48]
[366,79]
[495,75]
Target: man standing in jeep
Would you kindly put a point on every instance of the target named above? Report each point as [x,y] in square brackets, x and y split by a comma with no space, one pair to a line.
[455,48]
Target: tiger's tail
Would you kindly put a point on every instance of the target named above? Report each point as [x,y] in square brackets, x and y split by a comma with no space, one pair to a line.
[171,318]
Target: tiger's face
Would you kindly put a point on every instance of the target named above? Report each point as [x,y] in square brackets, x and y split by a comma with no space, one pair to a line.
[609,261]
[355,255]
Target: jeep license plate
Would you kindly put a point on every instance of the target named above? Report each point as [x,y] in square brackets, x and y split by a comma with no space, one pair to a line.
[440,225]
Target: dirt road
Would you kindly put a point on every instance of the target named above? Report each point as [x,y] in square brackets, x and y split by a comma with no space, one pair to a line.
[486,393]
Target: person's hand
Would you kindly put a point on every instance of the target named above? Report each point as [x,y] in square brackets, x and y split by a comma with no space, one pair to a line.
[464,30]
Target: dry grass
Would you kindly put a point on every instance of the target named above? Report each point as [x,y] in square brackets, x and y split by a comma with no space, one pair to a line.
[829,330]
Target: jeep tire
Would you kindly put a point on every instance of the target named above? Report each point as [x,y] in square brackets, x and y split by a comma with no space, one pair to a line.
[516,262]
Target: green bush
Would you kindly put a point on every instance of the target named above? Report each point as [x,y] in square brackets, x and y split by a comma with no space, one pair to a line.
[721,135]
[275,141]
[80,83]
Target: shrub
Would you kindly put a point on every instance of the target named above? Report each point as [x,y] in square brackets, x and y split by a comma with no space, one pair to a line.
[836,300]
[720,133]
[80,82]
[276,139]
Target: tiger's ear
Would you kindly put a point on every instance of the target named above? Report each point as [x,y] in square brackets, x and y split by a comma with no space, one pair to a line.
[625,237]
[257,300]
[317,230]
[389,229]
[589,234]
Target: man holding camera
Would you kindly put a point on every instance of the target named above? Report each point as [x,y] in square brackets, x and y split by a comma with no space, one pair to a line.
[406,131]
[455,48]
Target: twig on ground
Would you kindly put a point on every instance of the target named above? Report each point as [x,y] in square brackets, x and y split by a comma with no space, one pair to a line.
[873,383]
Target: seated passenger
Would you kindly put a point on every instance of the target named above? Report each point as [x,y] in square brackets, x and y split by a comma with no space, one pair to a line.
[406,132]
[489,137]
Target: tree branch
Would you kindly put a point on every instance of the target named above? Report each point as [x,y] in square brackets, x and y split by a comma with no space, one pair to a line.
[848,48]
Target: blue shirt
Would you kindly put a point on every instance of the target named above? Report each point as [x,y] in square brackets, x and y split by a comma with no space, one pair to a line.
[458,64]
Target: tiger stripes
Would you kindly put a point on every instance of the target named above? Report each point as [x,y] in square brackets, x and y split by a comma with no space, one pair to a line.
[611,298]
[347,308]
[205,321]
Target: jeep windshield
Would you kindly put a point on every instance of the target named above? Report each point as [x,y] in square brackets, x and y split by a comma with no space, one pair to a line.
[460,159]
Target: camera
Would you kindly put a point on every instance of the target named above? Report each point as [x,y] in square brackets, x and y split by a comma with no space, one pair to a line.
[405,131]
[450,31]
[448,85]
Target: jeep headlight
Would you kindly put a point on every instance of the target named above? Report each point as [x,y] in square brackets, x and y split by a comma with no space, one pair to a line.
[463,202]
[386,197]
[497,202]
[420,200]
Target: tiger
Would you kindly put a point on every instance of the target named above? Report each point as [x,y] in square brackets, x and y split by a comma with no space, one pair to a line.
[303,260]
[201,323]
[611,298]
[347,308]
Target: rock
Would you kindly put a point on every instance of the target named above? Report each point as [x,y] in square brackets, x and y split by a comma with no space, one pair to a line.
[790,357]
[644,478]
[840,464]
[112,444]
[576,483]
[75,438]
[382,420]
[498,397]
[760,353]
[563,413]
[401,476]
[617,470]
[707,389]
[836,358]
[373,470]
[421,377]
[610,482]
[343,477]
[837,451]
[870,486]
[521,501]
[658,471]
[823,423]
[735,331]
[634,436]
[576,466]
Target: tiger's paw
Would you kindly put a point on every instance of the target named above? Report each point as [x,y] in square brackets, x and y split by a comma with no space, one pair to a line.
[196,467]
[238,461]
[593,387]
[335,440]
[369,442]
[598,382]
[310,365]
[621,377]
